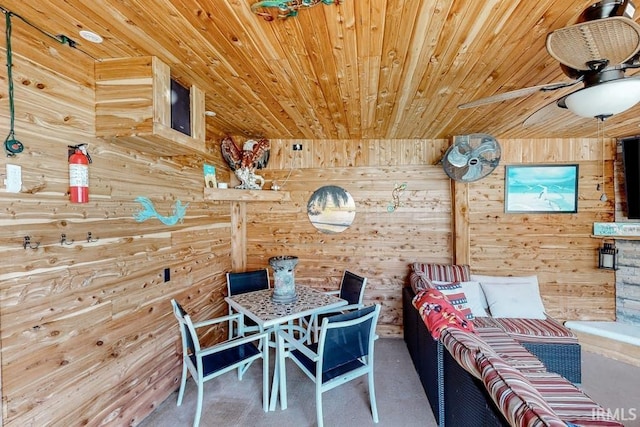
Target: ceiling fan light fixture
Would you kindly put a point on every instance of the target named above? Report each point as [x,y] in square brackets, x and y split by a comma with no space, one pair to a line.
[604,99]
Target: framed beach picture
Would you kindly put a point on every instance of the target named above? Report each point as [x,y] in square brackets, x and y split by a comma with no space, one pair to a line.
[541,188]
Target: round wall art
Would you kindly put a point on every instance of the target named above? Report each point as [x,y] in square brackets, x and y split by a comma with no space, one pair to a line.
[331,209]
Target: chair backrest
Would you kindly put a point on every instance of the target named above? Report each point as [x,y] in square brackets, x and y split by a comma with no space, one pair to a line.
[352,287]
[247,281]
[347,337]
[190,343]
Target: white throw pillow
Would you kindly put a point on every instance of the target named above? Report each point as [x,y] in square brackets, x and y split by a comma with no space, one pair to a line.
[509,296]
[475,297]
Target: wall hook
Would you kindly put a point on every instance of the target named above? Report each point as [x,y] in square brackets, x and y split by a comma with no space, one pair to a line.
[90,238]
[26,243]
[63,240]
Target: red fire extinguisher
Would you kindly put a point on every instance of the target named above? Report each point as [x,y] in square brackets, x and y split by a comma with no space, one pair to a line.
[79,173]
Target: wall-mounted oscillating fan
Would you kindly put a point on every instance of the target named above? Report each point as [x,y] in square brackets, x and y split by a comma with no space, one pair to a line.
[471,157]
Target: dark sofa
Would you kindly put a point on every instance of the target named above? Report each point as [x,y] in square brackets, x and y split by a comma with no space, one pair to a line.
[462,399]
[458,398]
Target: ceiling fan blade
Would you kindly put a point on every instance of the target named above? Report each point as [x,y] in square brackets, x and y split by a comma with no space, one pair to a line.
[549,111]
[517,94]
[616,39]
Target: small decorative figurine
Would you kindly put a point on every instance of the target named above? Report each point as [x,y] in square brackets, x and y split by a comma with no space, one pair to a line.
[254,155]
[398,189]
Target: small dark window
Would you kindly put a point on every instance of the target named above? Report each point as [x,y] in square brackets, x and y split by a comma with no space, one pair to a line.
[180,108]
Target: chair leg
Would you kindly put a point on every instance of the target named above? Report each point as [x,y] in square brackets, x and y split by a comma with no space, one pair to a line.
[319,405]
[183,383]
[372,397]
[282,378]
[265,374]
[196,421]
[241,370]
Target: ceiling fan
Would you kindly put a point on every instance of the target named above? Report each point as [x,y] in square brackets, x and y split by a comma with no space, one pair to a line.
[595,52]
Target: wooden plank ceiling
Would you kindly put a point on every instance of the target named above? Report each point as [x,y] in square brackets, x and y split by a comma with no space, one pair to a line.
[363,69]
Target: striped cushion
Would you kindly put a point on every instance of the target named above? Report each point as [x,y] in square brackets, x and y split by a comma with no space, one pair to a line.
[423,273]
[569,402]
[444,272]
[510,350]
[517,399]
[419,281]
[537,330]
[485,322]
[438,314]
[456,296]
[463,347]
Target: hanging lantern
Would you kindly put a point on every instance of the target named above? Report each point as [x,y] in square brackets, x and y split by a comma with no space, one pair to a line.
[607,256]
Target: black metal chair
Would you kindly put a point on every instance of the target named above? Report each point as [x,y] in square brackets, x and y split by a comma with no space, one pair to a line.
[206,363]
[351,289]
[247,281]
[344,351]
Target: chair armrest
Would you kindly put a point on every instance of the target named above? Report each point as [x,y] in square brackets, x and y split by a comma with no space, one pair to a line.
[342,308]
[236,342]
[299,345]
[210,322]
[336,292]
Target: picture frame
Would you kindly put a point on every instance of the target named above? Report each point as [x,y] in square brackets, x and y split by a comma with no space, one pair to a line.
[541,188]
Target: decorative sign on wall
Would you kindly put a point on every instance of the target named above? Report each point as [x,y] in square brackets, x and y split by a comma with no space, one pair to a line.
[210,176]
[331,209]
[616,228]
[149,211]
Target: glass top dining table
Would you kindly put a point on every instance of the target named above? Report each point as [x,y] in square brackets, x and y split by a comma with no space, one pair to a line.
[271,316]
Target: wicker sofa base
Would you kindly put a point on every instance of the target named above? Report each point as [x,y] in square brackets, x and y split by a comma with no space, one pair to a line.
[462,399]
[563,359]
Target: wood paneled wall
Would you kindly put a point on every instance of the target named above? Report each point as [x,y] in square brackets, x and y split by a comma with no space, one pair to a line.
[558,248]
[87,336]
[378,245]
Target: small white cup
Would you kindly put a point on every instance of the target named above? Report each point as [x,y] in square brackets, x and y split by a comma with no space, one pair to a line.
[223,185]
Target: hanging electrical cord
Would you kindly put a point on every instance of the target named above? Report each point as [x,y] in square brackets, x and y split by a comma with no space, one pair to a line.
[60,38]
[11,145]
[600,135]
[275,186]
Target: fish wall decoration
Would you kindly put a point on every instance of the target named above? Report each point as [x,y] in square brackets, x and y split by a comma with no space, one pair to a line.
[149,211]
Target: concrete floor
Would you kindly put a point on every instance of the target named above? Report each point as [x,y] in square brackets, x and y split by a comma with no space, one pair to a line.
[229,402]
[401,400]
